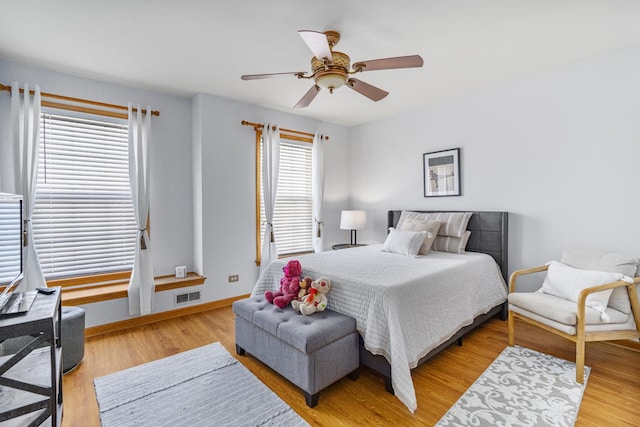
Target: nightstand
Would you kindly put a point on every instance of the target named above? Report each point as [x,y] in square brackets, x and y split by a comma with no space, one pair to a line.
[345,246]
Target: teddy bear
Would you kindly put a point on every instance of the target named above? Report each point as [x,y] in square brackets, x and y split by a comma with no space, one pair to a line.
[305,286]
[317,298]
[289,285]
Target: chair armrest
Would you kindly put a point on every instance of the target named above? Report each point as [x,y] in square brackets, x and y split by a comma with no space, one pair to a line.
[582,297]
[518,273]
[599,288]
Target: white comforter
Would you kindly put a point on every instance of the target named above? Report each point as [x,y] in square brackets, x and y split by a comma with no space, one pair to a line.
[404,307]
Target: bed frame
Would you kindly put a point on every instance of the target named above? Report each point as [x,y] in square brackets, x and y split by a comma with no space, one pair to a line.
[489,234]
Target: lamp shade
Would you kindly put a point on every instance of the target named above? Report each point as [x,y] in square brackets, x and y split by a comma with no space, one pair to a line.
[353,220]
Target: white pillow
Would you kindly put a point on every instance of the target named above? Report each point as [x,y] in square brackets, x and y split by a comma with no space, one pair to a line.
[404,242]
[431,227]
[567,282]
[602,261]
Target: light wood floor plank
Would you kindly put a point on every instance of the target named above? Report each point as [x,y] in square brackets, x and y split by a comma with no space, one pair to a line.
[611,397]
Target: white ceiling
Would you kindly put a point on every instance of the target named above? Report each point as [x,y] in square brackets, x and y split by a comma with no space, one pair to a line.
[199,46]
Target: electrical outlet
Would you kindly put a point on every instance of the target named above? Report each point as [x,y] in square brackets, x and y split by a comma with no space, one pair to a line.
[234,278]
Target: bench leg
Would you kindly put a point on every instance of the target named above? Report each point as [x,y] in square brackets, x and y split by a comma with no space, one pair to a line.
[239,350]
[311,399]
[354,375]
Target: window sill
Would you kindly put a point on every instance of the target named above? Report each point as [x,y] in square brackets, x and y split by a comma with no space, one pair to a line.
[287,256]
[117,290]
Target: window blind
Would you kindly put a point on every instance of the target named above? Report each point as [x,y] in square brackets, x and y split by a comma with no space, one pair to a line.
[10,239]
[83,221]
[292,217]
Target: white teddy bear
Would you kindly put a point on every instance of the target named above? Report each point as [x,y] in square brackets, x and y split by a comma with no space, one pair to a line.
[316,300]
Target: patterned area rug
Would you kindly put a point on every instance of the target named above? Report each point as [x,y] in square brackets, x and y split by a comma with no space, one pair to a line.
[201,387]
[522,387]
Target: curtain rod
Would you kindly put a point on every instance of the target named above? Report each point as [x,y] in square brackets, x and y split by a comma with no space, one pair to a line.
[81,101]
[259,126]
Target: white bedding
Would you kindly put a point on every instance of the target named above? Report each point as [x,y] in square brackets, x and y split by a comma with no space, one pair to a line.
[404,307]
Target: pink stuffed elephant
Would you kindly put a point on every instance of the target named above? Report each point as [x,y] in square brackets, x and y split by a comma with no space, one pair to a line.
[289,285]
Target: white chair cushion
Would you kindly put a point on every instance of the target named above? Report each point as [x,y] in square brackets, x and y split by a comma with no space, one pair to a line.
[561,310]
[610,262]
[571,329]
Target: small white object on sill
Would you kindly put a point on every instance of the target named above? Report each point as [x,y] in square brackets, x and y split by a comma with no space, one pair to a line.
[181,272]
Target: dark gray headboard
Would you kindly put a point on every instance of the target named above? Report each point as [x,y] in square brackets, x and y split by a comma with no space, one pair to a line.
[489,234]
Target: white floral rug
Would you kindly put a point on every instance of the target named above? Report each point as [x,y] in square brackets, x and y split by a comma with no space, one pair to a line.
[522,387]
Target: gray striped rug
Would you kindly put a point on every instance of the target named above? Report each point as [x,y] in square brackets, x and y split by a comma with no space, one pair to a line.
[201,387]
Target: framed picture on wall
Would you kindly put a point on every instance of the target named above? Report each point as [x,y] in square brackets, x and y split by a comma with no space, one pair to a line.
[441,171]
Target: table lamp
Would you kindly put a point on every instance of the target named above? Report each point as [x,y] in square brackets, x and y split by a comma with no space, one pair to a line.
[353,220]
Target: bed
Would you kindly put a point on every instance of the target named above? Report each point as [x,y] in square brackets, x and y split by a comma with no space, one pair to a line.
[407,309]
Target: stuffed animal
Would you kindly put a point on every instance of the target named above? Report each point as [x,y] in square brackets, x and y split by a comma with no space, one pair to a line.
[305,286]
[317,298]
[289,285]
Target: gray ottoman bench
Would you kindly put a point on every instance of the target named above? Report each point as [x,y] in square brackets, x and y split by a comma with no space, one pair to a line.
[312,352]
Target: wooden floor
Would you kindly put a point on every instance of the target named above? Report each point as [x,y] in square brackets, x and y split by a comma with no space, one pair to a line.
[612,397]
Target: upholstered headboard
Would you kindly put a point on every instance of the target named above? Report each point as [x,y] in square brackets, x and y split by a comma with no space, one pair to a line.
[489,234]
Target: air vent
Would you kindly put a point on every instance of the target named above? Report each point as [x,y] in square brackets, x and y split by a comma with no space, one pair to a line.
[187,297]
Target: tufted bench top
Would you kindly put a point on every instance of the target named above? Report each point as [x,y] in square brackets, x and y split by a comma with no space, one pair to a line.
[306,333]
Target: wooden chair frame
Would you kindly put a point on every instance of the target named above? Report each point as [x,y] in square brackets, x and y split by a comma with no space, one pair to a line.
[581,336]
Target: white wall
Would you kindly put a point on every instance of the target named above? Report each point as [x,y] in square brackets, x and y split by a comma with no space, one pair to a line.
[559,151]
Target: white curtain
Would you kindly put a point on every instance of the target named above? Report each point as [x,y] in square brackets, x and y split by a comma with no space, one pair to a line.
[141,285]
[19,175]
[317,191]
[270,170]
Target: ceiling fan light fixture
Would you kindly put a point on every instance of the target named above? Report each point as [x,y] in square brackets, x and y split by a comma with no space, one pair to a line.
[331,80]
[334,75]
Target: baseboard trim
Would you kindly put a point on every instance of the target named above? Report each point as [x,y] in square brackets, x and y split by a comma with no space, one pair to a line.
[158,317]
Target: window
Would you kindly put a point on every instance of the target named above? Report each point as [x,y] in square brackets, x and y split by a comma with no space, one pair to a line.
[83,221]
[10,238]
[293,215]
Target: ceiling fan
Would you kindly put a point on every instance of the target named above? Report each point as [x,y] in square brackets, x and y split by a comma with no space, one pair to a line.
[332,70]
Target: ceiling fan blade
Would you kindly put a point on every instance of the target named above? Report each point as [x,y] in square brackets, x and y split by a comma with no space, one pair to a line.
[371,92]
[412,61]
[318,43]
[308,97]
[266,76]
